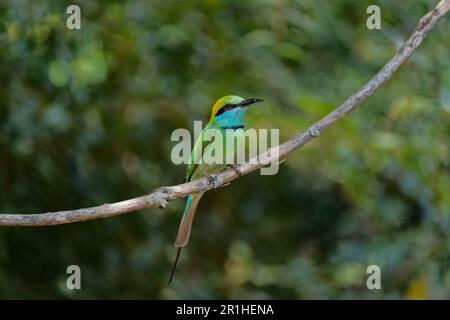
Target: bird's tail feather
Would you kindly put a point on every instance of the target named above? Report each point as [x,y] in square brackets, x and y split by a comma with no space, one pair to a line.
[174,265]
[184,231]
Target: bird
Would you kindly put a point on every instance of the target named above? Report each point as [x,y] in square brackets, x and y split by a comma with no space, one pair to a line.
[227,113]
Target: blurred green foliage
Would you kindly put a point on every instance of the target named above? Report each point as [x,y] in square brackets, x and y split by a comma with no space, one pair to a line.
[86,118]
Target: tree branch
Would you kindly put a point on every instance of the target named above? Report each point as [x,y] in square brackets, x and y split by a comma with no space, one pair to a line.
[159,197]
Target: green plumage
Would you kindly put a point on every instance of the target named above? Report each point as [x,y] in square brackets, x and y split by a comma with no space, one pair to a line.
[227,114]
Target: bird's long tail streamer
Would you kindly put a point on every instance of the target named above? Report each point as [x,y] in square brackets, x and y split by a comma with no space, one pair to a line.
[174,265]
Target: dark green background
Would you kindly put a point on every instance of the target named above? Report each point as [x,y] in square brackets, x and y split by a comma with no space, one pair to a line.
[86,118]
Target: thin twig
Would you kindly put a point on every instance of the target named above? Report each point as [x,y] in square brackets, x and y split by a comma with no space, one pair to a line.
[160,197]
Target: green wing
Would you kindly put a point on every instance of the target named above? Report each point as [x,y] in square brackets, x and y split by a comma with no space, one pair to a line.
[197,152]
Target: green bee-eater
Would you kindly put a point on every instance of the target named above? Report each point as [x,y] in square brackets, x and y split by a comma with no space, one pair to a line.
[227,114]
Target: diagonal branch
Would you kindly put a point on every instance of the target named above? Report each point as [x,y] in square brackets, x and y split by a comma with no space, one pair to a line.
[159,197]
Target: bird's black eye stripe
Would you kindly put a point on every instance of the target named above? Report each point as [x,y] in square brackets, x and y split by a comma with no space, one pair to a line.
[226,107]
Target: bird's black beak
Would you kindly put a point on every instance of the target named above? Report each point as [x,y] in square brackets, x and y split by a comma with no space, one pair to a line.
[249,101]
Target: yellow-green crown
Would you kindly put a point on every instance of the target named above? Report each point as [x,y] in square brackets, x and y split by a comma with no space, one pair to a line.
[223,101]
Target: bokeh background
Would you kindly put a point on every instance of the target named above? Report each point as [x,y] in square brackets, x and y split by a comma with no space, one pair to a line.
[86,118]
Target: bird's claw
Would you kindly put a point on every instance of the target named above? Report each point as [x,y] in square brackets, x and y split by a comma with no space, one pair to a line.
[235,168]
[211,180]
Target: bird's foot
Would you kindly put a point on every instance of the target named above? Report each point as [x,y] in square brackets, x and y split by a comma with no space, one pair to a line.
[211,180]
[235,168]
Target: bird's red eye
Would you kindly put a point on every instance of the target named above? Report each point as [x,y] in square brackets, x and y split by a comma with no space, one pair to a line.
[224,108]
